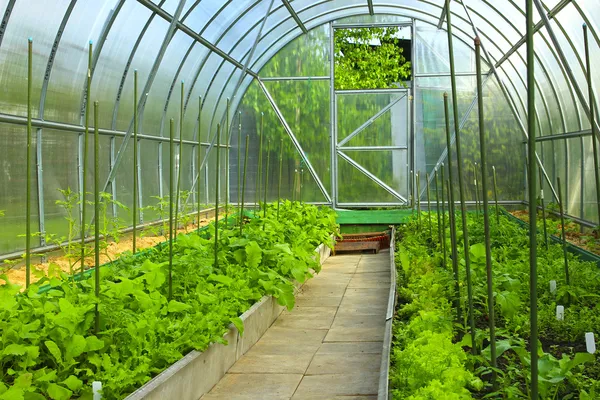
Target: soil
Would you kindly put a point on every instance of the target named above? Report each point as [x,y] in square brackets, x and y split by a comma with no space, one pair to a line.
[145,239]
[585,240]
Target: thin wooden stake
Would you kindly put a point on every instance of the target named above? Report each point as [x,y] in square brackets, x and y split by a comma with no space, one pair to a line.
[280,174]
[135,161]
[179,163]
[496,195]
[171,194]
[199,158]
[96,217]
[244,185]
[85,155]
[218,171]
[28,168]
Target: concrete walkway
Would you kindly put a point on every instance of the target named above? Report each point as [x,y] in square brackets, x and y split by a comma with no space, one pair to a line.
[328,347]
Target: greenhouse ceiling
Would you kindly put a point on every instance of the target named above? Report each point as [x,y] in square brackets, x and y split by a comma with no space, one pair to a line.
[219,50]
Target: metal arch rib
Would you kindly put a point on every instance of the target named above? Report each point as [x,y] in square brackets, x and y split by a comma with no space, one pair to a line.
[371,8]
[501,83]
[291,10]
[6,18]
[564,61]
[442,17]
[294,140]
[44,91]
[188,31]
[149,81]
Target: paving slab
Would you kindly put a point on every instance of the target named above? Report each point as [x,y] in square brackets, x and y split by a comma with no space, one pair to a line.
[254,386]
[328,347]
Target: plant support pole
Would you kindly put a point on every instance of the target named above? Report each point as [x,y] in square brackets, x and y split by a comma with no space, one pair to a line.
[239,171]
[244,183]
[543,210]
[217,198]
[96,217]
[452,216]
[476,190]
[28,168]
[444,220]
[267,179]
[259,170]
[227,141]
[177,195]
[135,159]
[496,195]
[418,201]
[171,194]
[592,116]
[437,203]
[461,186]
[532,177]
[563,235]
[280,173]
[486,213]
[199,156]
[85,151]
[428,205]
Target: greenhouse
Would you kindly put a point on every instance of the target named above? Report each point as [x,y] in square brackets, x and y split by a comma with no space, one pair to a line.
[329,199]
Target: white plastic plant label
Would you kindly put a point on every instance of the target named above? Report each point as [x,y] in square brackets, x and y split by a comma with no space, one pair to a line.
[97,390]
[560,313]
[590,343]
[553,287]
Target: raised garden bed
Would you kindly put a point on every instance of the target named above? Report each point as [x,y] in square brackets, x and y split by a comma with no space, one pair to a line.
[50,347]
[431,356]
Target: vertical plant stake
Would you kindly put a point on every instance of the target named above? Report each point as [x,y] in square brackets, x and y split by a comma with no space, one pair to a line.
[135,159]
[437,204]
[171,194]
[239,171]
[96,218]
[227,141]
[496,195]
[476,190]
[266,179]
[429,205]
[28,168]
[178,190]
[562,228]
[461,186]
[444,219]
[486,213]
[451,214]
[199,157]
[592,115]
[279,181]
[244,184]
[218,170]
[85,152]
[531,129]
[418,200]
[543,210]
[259,173]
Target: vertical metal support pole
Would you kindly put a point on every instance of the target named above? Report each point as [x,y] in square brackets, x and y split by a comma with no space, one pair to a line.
[177,194]
[444,220]
[28,168]
[227,142]
[301,183]
[244,184]
[592,117]
[461,186]
[496,195]
[412,102]
[437,203]
[218,170]
[429,205]
[259,168]
[171,194]
[563,236]
[199,157]
[452,215]
[294,184]
[543,211]
[532,177]
[412,190]
[96,217]
[279,180]
[135,159]
[84,157]
[486,213]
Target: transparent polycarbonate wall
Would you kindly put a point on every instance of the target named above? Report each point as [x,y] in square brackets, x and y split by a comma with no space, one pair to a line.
[239,49]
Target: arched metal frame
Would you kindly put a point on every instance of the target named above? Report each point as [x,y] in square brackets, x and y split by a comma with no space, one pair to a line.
[238,65]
